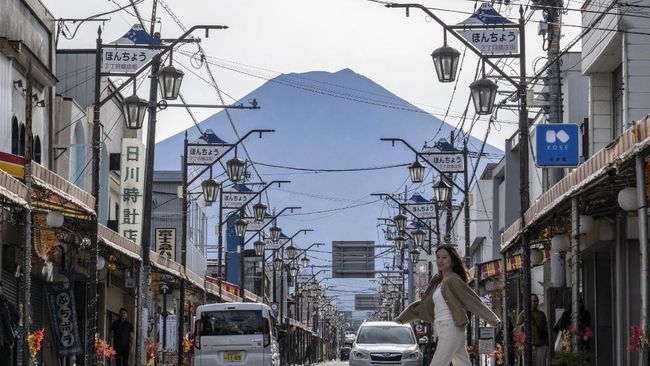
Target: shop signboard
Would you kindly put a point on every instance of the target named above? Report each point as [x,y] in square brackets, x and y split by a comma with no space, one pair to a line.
[132,189]
[63,314]
[166,243]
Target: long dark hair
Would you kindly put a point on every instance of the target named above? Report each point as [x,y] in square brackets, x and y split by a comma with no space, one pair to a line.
[459,267]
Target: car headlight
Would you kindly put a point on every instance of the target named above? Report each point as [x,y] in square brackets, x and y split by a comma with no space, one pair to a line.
[412,356]
[359,355]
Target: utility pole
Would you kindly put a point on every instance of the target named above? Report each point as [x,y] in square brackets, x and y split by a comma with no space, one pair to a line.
[242,261]
[449,214]
[552,13]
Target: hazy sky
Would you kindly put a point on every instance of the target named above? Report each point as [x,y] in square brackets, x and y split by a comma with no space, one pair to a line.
[270,37]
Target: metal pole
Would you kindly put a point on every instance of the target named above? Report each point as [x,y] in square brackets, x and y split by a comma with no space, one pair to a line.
[523,187]
[220,245]
[506,315]
[242,272]
[477,283]
[181,305]
[643,246]
[411,294]
[575,263]
[554,76]
[92,311]
[468,257]
[164,316]
[275,276]
[145,296]
[27,250]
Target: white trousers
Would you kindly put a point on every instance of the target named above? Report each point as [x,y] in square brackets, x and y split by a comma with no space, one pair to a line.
[451,345]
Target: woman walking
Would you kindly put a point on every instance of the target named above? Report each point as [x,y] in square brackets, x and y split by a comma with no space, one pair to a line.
[445,304]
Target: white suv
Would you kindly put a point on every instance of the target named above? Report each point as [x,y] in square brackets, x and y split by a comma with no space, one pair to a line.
[385,343]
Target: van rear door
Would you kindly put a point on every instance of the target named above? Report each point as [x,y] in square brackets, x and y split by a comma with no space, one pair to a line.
[231,337]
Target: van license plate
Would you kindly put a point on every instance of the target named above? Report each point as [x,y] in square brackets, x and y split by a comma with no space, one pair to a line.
[232,356]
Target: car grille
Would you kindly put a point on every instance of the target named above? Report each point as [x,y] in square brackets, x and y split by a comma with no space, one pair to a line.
[386,357]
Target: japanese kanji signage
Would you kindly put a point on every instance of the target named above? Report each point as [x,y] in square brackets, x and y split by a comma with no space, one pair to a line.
[63,314]
[166,243]
[445,162]
[493,41]
[271,245]
[422,210]
[132,188]
[125,60]
[205,154]
[257,225]
[236,199]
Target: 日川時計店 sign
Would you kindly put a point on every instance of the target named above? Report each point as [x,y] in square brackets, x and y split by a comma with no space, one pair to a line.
[132,189]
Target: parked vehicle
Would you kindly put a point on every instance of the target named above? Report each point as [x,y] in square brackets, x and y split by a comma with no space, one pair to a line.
[385,343]
[345,352]
[235,334]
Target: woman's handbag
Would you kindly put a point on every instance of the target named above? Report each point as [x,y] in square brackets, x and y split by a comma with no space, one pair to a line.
[558,341]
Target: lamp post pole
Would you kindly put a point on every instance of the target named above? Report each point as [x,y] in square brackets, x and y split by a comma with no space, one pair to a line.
[242,262]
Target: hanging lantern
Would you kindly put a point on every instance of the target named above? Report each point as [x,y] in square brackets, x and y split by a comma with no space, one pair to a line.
[418,237]
[627,199]
[399,243]
[240,227]
[415,256]
[134,109]
[484,92]
[293,271]
[400,222]
[259,211]
[305,262]
[275,233]
[441,190]
[210,189]
[291,251]
[54,219]
[278,263]
[235,168]
[536,257]
[560,243]
[259,248]
[445,60]
[416,171]
[169,81]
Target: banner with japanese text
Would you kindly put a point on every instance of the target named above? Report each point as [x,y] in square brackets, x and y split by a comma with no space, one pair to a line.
[132,189]
[63,314]
[166,243]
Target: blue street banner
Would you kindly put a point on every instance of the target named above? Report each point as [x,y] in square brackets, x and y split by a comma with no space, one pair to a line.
[63,313]
[557,145]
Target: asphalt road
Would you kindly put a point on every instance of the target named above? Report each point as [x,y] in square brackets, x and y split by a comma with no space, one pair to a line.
[335,363]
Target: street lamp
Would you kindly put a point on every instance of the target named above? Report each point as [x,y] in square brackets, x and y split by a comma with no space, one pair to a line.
[275,233]
[134,110]
[305,262]
[170,79]
[235,168]
[210,189]
[240,227]
[416,171]
[400,221]
[259,248]
[418,237]
[484,91]
[278,263]
[259,211]
[399,242]
[293,271]
[415,256]
[291,251]
[445,59]
[441,190]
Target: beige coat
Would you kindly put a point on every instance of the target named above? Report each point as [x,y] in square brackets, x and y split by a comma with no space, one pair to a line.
[460,299]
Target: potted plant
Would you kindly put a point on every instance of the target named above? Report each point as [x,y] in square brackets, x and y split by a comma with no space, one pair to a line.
[565,358]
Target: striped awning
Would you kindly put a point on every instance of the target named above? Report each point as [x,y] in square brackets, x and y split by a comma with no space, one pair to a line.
[516,262]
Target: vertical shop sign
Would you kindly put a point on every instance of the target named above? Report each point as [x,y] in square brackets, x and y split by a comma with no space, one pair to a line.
[132,189]
[166,243]
[63,314]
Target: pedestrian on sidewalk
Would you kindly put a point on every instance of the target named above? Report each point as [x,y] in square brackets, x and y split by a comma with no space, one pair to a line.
[307,358]
[445,304]
[122,334]
[9,318]
[540,332]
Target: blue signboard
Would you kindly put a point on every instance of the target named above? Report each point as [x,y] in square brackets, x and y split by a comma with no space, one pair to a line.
[558,145]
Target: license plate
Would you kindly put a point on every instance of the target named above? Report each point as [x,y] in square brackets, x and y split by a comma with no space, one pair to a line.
[232,356]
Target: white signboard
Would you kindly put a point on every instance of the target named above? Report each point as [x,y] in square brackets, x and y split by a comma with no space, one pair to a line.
[236,199]
[166,243]
[125,60]
[205,154]
[486,342]
[132,189]
[271,245]
[256,225]
[422,210]
[451,162]
[493,41]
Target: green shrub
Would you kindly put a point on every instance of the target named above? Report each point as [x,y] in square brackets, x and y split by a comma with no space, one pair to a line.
[572,359]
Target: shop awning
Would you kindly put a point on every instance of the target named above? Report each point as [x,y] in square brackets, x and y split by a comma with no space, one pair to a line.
[634,140]
[516,262]
[13,190]
[119,243]
[54,192]
[171,267]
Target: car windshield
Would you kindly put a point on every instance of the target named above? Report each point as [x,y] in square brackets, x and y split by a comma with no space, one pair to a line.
[393,335]
[233,322]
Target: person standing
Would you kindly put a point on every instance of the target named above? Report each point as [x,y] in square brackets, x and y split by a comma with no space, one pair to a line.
[122,335]
[540,332]
[9,318]
[445,304]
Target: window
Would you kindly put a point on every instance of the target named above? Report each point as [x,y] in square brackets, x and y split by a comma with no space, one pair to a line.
[617,101]
[392,335]
[232,322]
[14,136]
[37,150]
[21,140]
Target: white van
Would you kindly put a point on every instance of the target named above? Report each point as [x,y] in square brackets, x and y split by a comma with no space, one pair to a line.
[237,333]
